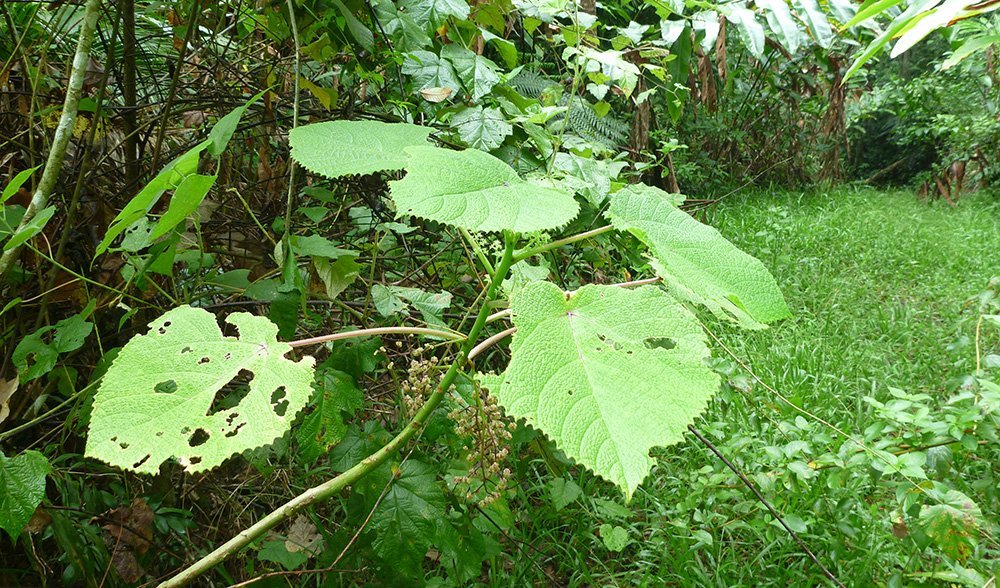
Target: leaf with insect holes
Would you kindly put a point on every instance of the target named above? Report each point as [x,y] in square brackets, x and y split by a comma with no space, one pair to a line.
[697,262]
[185,390]
[606,373]
[475,191]
[346,147]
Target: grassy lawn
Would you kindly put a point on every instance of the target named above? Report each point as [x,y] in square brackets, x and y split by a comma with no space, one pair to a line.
[877,283]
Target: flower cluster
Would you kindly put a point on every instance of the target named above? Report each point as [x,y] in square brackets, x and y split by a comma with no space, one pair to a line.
[487,433]
[421,378]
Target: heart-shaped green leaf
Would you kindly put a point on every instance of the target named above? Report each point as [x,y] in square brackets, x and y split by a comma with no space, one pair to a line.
[475,191]
[607,373]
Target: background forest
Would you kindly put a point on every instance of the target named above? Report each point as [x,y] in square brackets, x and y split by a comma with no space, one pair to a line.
[162,160]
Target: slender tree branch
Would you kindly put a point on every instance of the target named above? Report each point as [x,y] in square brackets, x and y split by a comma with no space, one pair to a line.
[85,166]
[451,336]
[64,130]
[337,484]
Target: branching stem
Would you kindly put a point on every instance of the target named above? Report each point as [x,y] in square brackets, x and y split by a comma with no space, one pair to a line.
[450,335]
[560,242]
[337,484]
[486,344]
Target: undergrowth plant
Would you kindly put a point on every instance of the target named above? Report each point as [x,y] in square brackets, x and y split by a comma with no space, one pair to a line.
[606,372]
[500,294]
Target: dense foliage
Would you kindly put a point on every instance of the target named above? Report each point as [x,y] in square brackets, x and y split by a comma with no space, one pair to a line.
[408,292]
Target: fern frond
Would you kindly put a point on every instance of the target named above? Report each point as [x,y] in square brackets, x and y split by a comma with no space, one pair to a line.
[584,121]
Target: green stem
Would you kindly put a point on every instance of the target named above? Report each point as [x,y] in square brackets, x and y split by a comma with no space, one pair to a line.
[450,335]
[337,484]
[560,242]
[479,252]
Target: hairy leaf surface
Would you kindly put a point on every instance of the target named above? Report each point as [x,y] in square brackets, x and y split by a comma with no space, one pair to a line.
[607,373]
[698,262]
[168,393]
[345,147]
[475,191]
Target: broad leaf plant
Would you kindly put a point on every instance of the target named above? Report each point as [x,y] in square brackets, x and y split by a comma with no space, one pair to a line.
[606,372]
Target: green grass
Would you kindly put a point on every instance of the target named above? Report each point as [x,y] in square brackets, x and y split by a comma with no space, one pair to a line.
[876,282]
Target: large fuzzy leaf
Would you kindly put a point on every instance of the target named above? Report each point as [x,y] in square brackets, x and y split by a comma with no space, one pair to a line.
[475,191]
[607,373]
[345,147]
[166,393]
[696,261]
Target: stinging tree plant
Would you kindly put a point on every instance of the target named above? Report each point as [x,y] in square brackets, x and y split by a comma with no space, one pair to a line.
[606,372]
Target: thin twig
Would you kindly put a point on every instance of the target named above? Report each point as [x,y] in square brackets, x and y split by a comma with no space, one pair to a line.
[381,497]
[774,513]
[278,574]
